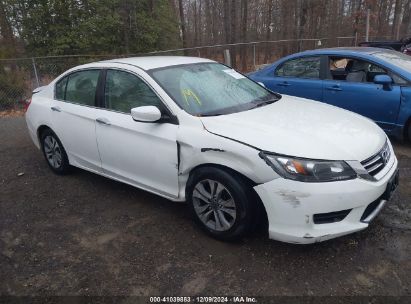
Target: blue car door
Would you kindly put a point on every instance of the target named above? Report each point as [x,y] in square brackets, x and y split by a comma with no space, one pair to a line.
[297,77]
[356,91]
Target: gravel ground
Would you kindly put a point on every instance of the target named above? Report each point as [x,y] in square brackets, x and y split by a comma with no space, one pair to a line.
[83,234]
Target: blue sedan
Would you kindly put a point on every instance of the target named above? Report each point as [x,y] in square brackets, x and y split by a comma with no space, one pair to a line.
[373,82]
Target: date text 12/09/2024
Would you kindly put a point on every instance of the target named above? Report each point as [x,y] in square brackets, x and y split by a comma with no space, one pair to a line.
[203,299]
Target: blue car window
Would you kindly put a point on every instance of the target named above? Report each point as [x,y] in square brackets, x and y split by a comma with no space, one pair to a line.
[305,67]
[356,70]
[397,79]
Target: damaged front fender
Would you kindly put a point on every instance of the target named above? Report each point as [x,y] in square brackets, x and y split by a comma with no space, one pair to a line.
[197,149]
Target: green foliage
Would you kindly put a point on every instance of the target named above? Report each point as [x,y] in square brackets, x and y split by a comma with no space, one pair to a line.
[148,25]
[64,27]
[68,27]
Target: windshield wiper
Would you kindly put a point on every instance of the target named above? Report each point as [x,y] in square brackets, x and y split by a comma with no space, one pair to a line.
[265,102]
[211,114]
[239,108]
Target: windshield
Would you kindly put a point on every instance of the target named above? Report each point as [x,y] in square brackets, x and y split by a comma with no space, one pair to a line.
[396,58]
[207,89]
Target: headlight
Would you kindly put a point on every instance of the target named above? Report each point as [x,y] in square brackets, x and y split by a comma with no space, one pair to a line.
[307,170]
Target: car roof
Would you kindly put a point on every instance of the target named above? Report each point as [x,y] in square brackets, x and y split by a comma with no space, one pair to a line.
[346,51]
[154,62]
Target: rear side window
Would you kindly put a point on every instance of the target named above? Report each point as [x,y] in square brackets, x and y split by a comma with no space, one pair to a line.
[80,87]
[306,67]
[61,88]
[125,91]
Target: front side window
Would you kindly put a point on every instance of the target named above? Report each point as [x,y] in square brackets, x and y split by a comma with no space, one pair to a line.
[81,87]
[125,91]
[208,89]
[357,70]
[306,67]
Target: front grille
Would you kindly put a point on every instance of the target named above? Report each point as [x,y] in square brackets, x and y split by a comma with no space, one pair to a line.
[331,217]
[370,209]
[377,162]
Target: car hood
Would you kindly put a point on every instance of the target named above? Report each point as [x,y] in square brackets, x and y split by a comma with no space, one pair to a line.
[304,128]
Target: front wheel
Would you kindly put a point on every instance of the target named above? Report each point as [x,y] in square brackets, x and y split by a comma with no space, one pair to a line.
[409,132]
[220,203]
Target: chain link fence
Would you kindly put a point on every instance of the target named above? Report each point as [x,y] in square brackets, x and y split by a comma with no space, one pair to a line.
[18,77]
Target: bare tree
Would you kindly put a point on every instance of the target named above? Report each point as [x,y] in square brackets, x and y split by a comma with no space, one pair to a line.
[182,23]
[233,31]
[244,17]
[232,21]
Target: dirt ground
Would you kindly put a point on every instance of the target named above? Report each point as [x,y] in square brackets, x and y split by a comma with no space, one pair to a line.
[83,234]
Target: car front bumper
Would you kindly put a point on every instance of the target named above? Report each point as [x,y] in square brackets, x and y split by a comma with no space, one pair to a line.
[291,206]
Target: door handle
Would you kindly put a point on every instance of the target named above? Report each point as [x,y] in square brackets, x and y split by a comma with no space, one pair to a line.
[56,109]
[334,88]
[284,84]
[103,121]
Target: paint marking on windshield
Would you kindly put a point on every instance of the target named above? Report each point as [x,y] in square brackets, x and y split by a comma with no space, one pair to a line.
[187,93]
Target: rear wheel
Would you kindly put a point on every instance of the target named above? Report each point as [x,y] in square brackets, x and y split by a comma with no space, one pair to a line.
[54,152]
[220,203]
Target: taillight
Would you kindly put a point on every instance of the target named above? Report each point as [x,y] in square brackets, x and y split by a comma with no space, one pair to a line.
[27,104]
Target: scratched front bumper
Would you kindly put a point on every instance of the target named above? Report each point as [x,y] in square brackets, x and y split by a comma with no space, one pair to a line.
[291,205]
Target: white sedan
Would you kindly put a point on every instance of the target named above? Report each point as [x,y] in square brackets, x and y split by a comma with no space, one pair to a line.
[191,129]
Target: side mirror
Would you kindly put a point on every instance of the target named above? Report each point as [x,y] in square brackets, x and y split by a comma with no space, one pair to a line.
[261,84]
[146,114]
[385,80]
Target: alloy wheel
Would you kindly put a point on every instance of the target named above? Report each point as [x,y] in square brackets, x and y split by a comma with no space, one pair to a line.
[214,205]
[53,151]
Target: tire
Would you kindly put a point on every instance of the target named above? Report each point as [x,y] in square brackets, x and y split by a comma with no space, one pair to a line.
[227,214]
[54,153]
[409,132]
